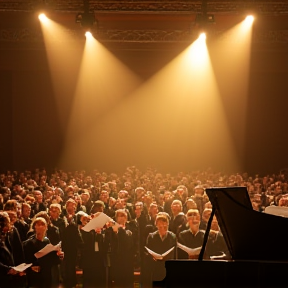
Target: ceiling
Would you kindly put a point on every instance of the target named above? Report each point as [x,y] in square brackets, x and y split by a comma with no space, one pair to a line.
[149,23]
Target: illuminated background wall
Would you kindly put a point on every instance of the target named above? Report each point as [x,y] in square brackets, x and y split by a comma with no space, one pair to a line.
[85,106]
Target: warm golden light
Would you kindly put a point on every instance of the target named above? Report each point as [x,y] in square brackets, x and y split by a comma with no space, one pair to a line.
[181,108]
[42,17]
[88,34]
[231,61]
[202,36]
[249,19]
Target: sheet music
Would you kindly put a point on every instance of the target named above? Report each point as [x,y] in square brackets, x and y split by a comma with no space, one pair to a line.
[277,210]
[97,222]
[220,257]
[47,249]
[22,267]
[190,251]
[159,256]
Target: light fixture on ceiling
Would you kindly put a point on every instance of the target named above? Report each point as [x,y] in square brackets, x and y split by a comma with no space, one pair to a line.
[87,18]
[203,19]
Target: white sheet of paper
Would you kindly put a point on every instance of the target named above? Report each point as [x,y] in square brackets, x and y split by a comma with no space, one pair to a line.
[277,210]
[218,257]
[96,222]
[47,249]
[190,251]
[22,267]
[159,256]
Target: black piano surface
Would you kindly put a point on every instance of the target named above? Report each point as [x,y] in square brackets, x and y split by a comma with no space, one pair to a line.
[257,242]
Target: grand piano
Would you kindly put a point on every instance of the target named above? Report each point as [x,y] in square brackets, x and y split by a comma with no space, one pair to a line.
[257,242]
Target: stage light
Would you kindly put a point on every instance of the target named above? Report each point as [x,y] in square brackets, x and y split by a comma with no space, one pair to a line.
[203,19]
[203,23]
[86,20]
[41,8]
[249,18]
[202,36]
[88,34]
[42,17]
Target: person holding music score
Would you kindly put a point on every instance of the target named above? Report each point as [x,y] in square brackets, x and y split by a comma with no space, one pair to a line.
[9,277]
[40,273]
[159,242]
[119,242]
[192,237]
[92,260]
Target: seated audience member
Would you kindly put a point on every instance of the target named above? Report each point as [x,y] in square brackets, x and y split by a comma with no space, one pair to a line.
[40,273]
[9,277]
[160,242]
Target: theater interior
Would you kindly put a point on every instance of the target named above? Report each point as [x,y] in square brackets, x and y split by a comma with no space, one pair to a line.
[136,92]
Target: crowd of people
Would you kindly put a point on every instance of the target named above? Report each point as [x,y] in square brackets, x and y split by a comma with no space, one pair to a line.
[152,217]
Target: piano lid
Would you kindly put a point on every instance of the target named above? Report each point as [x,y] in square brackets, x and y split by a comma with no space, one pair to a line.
[249,234]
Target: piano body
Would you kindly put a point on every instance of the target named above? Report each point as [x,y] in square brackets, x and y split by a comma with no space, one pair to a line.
[257,242]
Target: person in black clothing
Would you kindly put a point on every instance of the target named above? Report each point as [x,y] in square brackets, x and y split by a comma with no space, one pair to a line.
[160,242]
[56,220]
[122,251]
[38,205]
[178,220]
[71,243]
[40,273]
[191,237]
[205,217]
[93,256]
[52,231]
[21,225]
[8,275]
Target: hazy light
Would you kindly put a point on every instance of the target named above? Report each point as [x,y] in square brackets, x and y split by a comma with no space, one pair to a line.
[88,35]
[42,17]
[249,20]
[202,36]
[231,57]
[198,54]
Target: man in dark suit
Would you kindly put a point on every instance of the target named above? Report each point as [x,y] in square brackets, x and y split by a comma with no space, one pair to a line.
[159,242]
[178,220]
